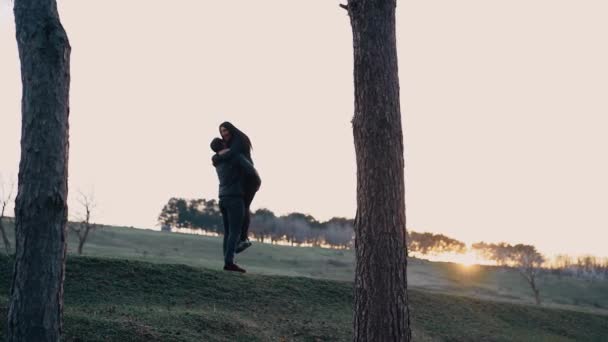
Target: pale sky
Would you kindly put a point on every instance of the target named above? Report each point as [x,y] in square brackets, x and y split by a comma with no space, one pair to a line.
[504,105]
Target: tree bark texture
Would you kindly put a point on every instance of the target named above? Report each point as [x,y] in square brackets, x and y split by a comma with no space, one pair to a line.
[380,301]
[36,304]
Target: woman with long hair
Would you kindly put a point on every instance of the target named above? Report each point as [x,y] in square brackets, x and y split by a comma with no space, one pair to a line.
[239,143]
[236,140]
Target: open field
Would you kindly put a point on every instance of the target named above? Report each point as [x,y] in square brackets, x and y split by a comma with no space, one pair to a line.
[142,285]
[481,282]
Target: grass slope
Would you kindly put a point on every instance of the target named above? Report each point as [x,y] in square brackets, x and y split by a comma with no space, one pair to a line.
[488,283]
[122,300]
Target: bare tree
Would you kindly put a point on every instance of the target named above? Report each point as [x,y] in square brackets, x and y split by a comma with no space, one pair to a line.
[381,310]
[36,305]
[84,226]
[6,195]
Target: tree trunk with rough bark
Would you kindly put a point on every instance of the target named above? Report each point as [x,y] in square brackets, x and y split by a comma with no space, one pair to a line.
[36,305]
[381,301]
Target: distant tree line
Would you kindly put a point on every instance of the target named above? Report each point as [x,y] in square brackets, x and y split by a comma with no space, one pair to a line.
[586,267]
[296,229]
[429,243]
[300,229]
[532,264]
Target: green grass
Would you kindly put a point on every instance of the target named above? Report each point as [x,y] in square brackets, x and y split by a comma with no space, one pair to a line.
[122,300]
[140,285]
[479,282]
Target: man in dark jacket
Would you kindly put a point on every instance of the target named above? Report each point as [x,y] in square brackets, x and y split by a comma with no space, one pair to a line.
[231,174]
[251,185]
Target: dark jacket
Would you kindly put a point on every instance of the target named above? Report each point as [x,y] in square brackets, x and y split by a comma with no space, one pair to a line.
[251,184]
[233,173]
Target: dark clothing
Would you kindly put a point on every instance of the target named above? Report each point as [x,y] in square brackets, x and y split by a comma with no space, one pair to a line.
[250,182]
[248,198]
[232,174]
[237,149]
[233,213]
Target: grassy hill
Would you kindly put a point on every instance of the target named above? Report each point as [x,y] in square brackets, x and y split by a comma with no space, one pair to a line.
[122,300]
[129,287]
[477,281]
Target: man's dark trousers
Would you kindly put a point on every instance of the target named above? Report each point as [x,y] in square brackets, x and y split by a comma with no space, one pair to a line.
[233,215]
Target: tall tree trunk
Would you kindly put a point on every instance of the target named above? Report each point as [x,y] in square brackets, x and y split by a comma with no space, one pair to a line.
[35,310]
[381,302]
[7,243]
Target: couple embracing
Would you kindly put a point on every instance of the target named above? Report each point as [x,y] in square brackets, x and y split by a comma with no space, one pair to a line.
[239,182]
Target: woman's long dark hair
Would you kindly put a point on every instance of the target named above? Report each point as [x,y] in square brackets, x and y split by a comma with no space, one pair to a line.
[237,134]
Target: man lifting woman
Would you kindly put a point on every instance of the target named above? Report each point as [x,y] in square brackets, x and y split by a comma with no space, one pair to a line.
[239,182]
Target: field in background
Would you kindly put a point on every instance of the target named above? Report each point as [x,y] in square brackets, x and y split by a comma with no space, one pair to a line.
[483,282]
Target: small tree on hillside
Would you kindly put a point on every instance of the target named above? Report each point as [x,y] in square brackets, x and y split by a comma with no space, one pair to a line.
[529,261]
[6,195]
[84,226]
[523,257]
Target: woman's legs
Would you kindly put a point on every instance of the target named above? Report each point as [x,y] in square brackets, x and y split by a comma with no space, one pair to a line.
[247,219]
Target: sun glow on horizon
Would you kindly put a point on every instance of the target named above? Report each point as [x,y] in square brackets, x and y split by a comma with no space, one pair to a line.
[466,259]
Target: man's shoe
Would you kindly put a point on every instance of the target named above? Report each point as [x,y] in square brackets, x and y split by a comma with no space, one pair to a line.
[233,268]
[243,245]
